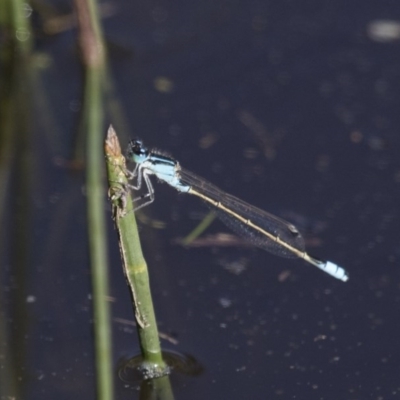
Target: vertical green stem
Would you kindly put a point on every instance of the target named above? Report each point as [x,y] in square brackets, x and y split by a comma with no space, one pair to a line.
[97,237]
[135,266]
[93,59]
[15,135]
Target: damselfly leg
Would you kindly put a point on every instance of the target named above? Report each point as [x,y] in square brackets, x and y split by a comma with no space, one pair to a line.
[141,175]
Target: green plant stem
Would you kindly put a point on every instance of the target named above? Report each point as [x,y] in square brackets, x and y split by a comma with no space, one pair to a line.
[135,266]
[92,46]
[15,136]
[97,238]
[200,228]
[21,26]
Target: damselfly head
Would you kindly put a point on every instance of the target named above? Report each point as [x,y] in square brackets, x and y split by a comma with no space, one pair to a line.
[136,151]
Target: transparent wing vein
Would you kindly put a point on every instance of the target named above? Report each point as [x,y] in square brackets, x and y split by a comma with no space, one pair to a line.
[266,221]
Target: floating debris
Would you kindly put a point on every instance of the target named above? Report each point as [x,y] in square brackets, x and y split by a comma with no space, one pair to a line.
[384,31]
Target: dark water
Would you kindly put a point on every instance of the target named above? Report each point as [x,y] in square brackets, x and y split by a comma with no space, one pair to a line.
[293,107]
